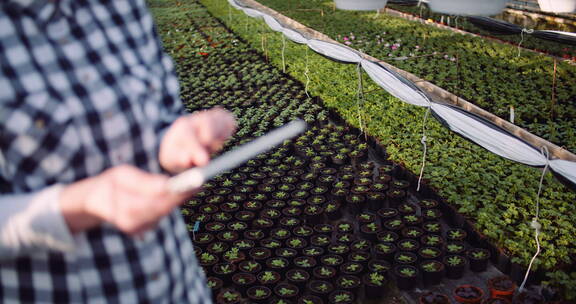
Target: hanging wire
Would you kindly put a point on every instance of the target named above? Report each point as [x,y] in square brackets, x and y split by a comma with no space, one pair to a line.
[527,31]
[306,70]
[423,141]
[283,56]
[535,224]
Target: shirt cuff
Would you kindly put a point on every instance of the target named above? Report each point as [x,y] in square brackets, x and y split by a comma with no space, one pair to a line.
[35,223]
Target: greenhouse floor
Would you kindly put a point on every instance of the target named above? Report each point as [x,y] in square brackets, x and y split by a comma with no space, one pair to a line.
[291,189]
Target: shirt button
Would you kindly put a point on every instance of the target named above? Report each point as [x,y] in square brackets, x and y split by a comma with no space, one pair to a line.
[39,123]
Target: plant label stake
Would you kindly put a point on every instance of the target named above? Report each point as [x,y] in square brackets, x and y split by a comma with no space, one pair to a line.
[195,229]
[195,177]
[511,114]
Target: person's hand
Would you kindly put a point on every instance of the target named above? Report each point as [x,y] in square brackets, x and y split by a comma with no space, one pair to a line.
[191,139]
[132,200]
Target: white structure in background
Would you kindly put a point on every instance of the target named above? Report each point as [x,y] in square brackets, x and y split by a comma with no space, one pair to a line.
[468,7]
[558,6]
[360,5]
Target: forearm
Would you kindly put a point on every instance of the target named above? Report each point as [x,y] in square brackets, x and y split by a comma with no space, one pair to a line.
[33,222]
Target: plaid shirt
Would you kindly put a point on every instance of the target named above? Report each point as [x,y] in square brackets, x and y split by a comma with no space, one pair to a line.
[85,86]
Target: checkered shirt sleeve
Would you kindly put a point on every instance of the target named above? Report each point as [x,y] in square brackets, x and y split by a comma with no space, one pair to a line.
[85,86]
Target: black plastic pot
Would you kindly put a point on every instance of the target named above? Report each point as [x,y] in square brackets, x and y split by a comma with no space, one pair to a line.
[432,276]
[454,272]
[406,277]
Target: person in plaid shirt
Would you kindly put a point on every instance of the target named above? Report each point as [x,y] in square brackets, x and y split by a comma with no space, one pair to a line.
[90,123]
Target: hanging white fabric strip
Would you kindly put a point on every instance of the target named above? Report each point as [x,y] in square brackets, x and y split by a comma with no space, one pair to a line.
[564,168]
[492,139]
[294,36]
[334,51]
[234,4]
[252,12]
[273,23]
[396,86]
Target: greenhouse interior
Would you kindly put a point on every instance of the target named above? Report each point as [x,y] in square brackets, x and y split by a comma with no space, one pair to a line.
[384,151]
[437,163]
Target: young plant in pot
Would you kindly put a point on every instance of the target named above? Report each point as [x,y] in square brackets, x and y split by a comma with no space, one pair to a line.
[385,251]
[430,253]
[250,266]
[259,294]
[298,277]
[393,224]
[234,255]
[349,282]
[320,288]
[387,237]
[351,268]
[214,283]
[310,299]
[501,287]
[208,259]
[224,271]
[433,298]
[305,262]
[361,245]
[287,253]
[374,285]
[456,235]
[324,273]
[313,251]
[455,266]
[260,253]
[408,245]
[277,264]
[478,258]
[268,277]
[286,290]
[333,260]
[341,297]
[228,296]
[432,272]
[468,294]
[406,276]
[433,227]
[370,231]
[320,240]
[405,258]
[243,281]
[455,248]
